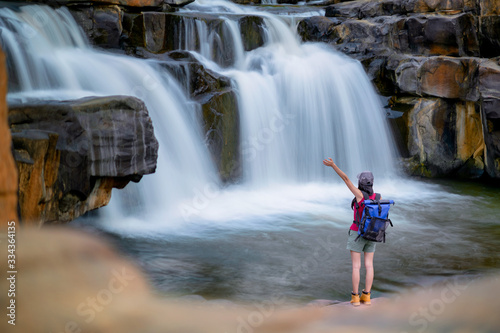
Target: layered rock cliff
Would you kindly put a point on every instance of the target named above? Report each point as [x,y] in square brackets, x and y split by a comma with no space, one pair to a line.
[438,63]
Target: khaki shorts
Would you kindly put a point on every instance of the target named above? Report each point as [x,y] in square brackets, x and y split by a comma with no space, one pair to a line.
[361,245]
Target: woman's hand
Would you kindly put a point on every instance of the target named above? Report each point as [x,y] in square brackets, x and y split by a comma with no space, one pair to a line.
[328,162]
[357,193]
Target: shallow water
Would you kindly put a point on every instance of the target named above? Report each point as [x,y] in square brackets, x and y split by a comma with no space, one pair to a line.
[293,241]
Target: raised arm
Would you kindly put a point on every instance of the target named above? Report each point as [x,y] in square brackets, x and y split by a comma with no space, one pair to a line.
[357,192]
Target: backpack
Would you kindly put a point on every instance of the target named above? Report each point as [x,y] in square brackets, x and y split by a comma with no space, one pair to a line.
[373,219]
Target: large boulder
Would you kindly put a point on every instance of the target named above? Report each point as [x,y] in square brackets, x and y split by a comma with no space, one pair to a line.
[318,28]
[443,138]
[70,154]
[449,78]
[446,77]
[101,24]
[252,32]
[451,35]
[144,30]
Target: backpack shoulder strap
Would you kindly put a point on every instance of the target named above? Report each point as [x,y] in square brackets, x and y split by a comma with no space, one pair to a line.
[355,202]
[377,196]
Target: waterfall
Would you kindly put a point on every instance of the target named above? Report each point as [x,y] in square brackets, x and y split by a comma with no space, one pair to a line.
[48,58]
[298,103]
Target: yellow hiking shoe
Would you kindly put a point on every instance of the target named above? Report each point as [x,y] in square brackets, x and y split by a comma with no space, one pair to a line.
[355,299]
[365,298]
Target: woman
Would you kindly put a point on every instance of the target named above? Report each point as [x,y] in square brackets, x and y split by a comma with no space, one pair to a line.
[364,189]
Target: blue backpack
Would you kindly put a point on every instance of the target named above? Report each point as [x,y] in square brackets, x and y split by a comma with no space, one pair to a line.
[374,220]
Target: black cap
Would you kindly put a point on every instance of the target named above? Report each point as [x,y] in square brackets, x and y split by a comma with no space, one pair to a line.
[365,178]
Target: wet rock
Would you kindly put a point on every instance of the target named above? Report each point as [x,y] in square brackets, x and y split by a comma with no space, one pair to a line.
[200,80]
[364,38]
[8,171]
[446,77]
[187,37]
[489,78]
[101,24]
[443,137]
[491,120]
[489,7]
[318,28]
[71,153]
[490,36]
[145,30]
[427,35]
[252,33]
[489,86]
[449,78]
[452,35]
[221,123]
[404,73]
[374,8]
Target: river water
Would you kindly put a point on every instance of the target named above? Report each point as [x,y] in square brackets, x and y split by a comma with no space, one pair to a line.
[291,241]
[283,227]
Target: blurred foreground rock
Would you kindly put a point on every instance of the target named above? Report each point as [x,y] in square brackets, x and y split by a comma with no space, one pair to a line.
[71,282]
[70,154]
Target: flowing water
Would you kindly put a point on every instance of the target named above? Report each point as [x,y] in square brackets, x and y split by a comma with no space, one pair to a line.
[283,227]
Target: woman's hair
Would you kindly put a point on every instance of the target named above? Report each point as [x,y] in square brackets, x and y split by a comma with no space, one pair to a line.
[366,188]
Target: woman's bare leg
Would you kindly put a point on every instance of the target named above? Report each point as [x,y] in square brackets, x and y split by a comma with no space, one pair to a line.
[369,271]
[356,266]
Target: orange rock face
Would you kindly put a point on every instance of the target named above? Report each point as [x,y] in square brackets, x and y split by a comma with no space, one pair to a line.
[8,172]
[449,78]
[489,7]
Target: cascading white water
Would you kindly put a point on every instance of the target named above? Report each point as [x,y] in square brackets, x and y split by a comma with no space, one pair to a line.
[298,103]
[48,58]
